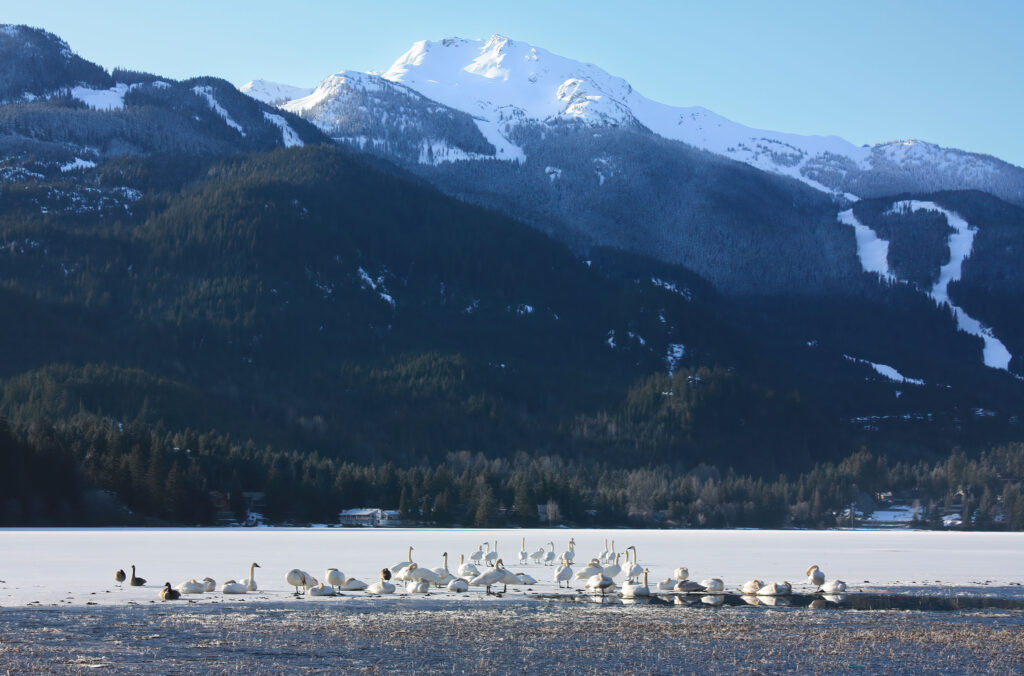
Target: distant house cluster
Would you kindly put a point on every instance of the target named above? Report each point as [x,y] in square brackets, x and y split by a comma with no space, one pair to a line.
[369,516]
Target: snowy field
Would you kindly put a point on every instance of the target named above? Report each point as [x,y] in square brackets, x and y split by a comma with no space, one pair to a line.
[75,567]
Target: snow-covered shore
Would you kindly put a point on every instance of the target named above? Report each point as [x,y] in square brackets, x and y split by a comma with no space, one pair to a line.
[75,567]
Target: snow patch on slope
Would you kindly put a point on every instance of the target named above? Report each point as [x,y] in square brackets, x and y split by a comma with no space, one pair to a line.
[872,250]
[273,93]
[206,92]
[288,135]
[101,99]
[886,371]
[79,163]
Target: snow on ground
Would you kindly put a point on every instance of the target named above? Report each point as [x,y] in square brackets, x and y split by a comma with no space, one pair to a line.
[273,93]
[288,135]
[673,354]
[101,99]
[504,148]
[872,250]
[961,243]
[886,371]
[76,566]
[207,93]
[79,163]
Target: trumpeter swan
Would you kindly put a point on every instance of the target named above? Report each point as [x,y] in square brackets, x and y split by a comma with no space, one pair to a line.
[668,584]
[168,594]
[537,555]
[713,599]
[523,554]
[568,554]
[751,587]
[209,584]
[689,586]
[232,587]
[593,568]
[415,573]
[478,555]
[295,579]
[402,564]
[192,586]
[491,556]
[632,590]
[526,579]
[467,569]
[136,581]
[334,577]
[775,589]
[604,554]
[815,576]
[120,576]
[417,586]
[633,570]
[250,582]
[600,583]
[681,573]
[322,590]
[563,574]
[833,587]
[571,554]
[444,576]
[549,557]
[491,576]
[382,586]
[352,584]
[459,585]
[713,585]
[611,554]
[613,570]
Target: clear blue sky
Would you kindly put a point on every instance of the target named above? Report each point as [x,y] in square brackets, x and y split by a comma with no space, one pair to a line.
[869,70]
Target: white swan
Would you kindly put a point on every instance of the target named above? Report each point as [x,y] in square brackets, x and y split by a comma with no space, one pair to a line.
[815,576]
[713,599]
[444,576]
[593,568]
[611,554]
[713,585]
[549,557]
[382,586]
[631,590]
[604,554]
[563,574]
[633,570]
[833,587]
[524,578]
[294,579]
[209,584]
[689,586]
[537,555]
[491,556]
[192,586]
[568,554]
[417,574]
[352,584]
[477,557]
[250,582]
[613,570]
[334,577]
[491,577]
[668,584]
[600,583]
[322,590]
[402,564]
[751,586]
[467,569]
[681,573]
[775,589]
[523,554]
[232,587]
[417,587]
[459,585]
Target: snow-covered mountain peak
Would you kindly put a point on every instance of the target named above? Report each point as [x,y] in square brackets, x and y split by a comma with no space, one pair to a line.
[273,93]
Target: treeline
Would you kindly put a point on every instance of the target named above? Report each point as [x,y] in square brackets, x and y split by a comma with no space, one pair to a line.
[96,472]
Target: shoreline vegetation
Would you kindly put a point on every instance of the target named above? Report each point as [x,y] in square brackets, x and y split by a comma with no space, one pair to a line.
[100,473]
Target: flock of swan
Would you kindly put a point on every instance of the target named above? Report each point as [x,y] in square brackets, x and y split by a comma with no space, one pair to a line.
[486,568]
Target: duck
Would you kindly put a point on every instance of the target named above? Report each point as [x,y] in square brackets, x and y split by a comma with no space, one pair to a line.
[632,590]
[815,576]
[136,581]
[613,570]
[549,556]
[334,577]
[492,555]
[600,583]
[232,587]
[458,585]
[775,589]
[751,586]
[250,582]
[467,569]
[352,584]
[564,574]
[713,585]
[209,584]
[120,576]
[633,570]
[322,590]
[402,564]
[593,568]
[689,586]
[681,573]
[382,586]
[417,587]
[833,587]
[192,586]
[168,594]
[523,554]
[668,584]
[538,555]
[491,576]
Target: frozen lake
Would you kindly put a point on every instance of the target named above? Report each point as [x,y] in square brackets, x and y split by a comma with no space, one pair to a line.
[76,566]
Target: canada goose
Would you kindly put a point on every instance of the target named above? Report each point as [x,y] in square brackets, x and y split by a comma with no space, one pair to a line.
[815,576]
[382,586]
[250,582]
[632,590]
[232,587]
[833,587]
[459,585]
[192,586]
[136,581]
[563,574]
[168,594]
[334,577]
[209,584]
[120,576]
[751,586]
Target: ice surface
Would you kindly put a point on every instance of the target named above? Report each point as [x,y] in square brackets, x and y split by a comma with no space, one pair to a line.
[77,565]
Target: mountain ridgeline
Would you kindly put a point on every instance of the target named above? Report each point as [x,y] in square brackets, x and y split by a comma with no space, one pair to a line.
[363,292]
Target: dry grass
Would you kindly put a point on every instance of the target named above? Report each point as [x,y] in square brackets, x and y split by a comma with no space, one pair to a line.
[512,638]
